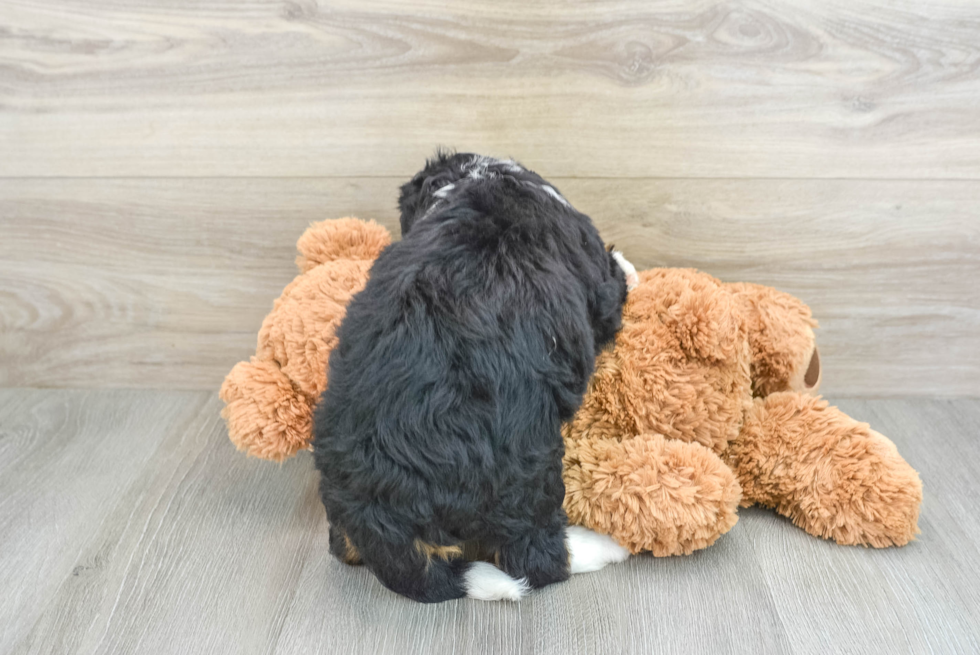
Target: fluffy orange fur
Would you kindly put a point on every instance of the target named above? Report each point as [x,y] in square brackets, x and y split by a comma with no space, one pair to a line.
[706,401]
[834,477]
[269,400]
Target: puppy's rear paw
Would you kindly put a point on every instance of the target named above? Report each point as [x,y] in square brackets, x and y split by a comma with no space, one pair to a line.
[590,551]
[632,277]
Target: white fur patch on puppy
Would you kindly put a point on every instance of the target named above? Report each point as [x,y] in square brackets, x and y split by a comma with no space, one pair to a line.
[444,191]
[550,190]
[484,581]
[511,165]
[590,551]
[478,167]
[632,278]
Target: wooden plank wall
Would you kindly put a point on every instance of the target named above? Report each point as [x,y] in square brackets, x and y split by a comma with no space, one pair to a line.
[159,161]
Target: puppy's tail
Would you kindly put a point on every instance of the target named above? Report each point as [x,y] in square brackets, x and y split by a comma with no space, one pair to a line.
[484,581]
[433,574]
[587,551]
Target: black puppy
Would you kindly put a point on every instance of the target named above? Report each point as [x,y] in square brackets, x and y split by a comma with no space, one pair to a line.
[472,342]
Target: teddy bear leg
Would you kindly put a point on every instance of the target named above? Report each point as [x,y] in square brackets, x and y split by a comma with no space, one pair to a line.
[650,493]
[833,476]
[266,416]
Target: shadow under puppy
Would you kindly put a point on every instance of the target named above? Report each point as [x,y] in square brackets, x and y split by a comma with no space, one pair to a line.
[472,342]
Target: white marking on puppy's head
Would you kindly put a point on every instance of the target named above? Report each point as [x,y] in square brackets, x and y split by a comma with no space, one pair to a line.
[554,194]
[510,165]
[442,192]
[478,167]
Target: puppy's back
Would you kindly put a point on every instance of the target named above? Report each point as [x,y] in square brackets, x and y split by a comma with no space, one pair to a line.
[472,341]
[468,346]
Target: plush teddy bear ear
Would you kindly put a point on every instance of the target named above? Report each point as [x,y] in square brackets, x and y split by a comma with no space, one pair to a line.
[342,238]
[780,331]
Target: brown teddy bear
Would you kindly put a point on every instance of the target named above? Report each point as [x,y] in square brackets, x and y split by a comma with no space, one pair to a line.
[710,390]
[705,401]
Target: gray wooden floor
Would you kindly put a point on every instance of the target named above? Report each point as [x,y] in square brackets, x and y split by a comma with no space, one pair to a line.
[129,524]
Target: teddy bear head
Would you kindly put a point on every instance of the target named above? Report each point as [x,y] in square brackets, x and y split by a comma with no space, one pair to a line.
[691,355]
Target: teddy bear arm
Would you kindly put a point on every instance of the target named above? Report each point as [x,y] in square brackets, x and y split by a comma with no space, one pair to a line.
[650,493]
[267,416]
[833,476]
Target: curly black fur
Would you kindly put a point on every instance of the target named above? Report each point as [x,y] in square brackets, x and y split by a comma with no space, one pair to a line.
[472,342]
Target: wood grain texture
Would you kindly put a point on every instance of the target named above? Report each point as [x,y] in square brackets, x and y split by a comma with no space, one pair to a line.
[643,606]
[67,459]
[188,546]
[204,555]
[629,88]
[149,283]
[164,283]
[160,160]
[905,600]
